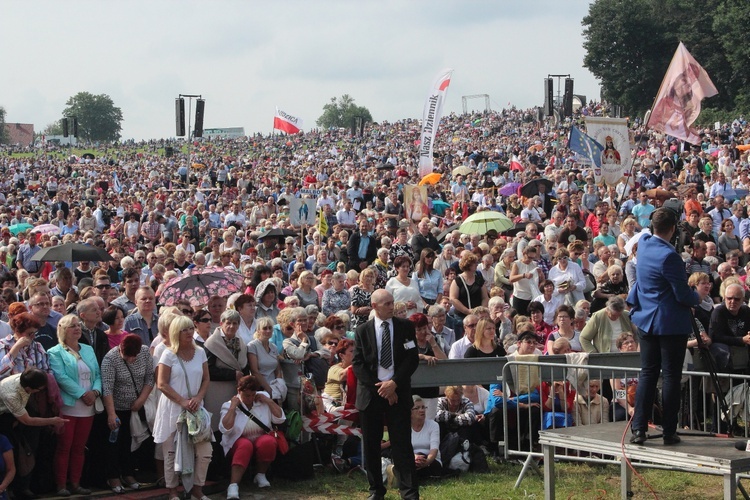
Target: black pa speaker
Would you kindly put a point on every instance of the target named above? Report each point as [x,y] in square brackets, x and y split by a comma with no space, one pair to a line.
[200,105]
[65,127]
[179,114]
[75,127]
[568,97]
[549,98]
[169,151]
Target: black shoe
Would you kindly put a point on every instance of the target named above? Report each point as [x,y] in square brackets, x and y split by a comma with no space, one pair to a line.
[638,437]
[26,494]
[673,439]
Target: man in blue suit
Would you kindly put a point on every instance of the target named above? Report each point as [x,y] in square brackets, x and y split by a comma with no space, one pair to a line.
[661,302]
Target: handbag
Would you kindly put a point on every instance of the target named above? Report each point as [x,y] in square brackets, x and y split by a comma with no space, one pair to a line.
[98,405]
[200,432]
[281,442]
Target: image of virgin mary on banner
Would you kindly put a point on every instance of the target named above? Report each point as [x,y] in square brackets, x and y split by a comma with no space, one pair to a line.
[616,156]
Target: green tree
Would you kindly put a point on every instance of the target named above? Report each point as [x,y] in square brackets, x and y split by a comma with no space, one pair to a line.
[630,43]
[341,112]
[54,128]
[98,117]
[3,132]
[626,50]
[730,20]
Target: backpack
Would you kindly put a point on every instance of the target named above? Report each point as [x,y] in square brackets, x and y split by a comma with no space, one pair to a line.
[449,445]
[293,425]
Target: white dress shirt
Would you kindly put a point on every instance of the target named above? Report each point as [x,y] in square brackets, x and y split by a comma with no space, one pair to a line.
[384,373]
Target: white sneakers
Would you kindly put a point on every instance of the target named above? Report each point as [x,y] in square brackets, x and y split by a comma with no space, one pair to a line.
[233,491]
[261,481]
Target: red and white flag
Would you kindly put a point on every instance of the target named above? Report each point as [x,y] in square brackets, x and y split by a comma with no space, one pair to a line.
[678,103]
[515,164]
[433,111]
[286,122]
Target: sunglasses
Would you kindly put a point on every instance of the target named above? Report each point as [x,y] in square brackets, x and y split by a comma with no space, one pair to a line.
[103,287]
[203,320]
[332,343]
[186,311]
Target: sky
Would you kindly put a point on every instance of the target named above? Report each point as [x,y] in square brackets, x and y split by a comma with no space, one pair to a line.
[247,57]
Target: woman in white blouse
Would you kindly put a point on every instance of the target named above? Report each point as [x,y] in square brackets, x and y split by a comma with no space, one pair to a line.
[567,276]
[243,437]
[403,288]
[425,439]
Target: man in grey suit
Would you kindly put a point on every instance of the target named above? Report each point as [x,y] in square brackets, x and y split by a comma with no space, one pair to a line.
[385,356]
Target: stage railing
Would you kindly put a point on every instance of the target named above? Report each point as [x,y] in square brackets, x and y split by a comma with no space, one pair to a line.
[520,424]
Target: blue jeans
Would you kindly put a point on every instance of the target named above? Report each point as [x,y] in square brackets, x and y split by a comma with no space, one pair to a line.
[664,353]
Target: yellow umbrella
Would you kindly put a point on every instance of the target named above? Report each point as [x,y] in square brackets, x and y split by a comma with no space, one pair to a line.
[432,178]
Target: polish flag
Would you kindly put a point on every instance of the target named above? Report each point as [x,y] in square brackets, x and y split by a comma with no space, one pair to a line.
[515,164]
[286,122]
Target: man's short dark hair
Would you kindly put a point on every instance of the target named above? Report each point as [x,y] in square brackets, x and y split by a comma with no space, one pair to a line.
[129,273]
[663,220]
[33,378]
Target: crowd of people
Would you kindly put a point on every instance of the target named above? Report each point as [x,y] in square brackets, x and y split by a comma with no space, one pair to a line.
[92,360]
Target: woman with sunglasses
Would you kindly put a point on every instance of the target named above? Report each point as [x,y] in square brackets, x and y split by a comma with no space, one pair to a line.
[429,279]
[567,276]
[263,359]
[202,320]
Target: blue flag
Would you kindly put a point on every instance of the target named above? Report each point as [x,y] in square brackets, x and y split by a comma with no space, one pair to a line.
[585,146]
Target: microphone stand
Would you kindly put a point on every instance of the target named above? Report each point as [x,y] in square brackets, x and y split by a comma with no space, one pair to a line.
[710,364]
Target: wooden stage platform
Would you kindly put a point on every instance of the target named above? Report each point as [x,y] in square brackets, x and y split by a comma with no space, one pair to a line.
[701,454]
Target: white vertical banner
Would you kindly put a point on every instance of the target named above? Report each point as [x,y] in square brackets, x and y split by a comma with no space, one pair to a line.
[433,111]
[612,133]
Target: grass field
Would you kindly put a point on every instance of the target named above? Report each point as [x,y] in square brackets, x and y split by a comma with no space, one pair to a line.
[574,481]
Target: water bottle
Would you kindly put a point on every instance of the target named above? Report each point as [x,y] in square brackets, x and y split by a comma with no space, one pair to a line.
[113,434]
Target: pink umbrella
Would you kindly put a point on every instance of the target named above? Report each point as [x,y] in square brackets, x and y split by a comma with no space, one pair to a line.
[199,285]
[47,229]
